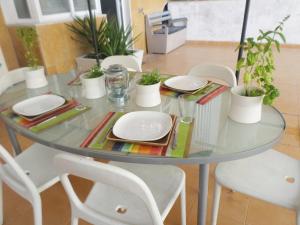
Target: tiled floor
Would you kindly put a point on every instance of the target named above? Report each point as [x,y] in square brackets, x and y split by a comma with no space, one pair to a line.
[236,209]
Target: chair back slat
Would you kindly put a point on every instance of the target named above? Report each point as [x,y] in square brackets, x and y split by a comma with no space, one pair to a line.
[219,72]
[3,66]
[15,177]
[128,61]
[105,174]
[159,17]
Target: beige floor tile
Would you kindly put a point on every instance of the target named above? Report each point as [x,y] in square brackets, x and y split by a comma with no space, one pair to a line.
[263,213]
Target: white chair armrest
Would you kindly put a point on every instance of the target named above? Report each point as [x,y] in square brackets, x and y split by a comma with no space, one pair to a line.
[182,20]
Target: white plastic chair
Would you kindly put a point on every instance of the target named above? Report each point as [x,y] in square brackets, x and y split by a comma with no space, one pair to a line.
[218,72]
[9,78]
[28,174]
[270,176]
[131,195]
[128,61]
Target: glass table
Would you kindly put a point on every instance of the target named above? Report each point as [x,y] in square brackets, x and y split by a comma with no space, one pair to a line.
[215,138]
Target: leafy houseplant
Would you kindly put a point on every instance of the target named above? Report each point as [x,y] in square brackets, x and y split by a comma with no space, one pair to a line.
[150,78]
[112,39]
[35,75]
[258,67]
[93,83]
[148,89]
[28,37]
[95,72]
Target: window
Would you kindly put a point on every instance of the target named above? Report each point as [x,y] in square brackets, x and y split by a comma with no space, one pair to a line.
[43,11]
[22,9]
[50,7]
[80,5]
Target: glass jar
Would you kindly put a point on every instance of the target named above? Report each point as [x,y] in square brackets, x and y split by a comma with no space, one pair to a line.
[117,84]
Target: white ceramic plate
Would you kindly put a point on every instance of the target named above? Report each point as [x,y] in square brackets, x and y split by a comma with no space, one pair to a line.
[186,83]
[38,105]
[143,126]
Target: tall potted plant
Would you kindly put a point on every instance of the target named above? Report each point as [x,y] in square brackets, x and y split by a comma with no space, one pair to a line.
[112,39]
[257,67]
[35,74]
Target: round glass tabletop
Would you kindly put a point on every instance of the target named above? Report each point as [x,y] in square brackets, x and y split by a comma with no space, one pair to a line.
[215,136]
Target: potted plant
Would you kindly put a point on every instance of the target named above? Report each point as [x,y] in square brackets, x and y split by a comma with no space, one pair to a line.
[258,67]
[148,89]
[34,74]
[112,39]
[93,83]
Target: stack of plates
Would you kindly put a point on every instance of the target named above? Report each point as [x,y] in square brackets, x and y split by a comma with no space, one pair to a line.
[37,106]
[185,84]
[145,127]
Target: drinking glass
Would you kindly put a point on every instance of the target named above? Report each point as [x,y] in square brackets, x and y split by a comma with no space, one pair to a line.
[187,109]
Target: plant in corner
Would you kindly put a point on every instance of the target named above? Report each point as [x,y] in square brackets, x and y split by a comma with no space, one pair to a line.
[257,67]
[148,89]
[112,39]
[35,75]
[93,83]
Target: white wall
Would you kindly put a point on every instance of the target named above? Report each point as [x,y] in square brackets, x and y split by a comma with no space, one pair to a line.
[221,20]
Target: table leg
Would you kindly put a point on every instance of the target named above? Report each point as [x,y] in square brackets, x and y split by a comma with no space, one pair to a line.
[203,193]
[14,140]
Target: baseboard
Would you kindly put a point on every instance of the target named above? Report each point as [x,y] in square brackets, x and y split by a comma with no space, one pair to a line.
[231,43]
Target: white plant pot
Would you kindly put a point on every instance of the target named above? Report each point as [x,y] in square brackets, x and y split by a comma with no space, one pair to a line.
[93,88]
[148,95]
[84,64]
[245,109]
[35,78]
[139,54]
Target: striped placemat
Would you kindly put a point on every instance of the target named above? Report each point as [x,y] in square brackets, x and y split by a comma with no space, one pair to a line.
[97,140]
[202,96]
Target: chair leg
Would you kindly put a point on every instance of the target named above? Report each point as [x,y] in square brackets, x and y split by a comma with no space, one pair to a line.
[298,217]
[183,205]
[74,221]
[1,202]
[37,212]
[216,203]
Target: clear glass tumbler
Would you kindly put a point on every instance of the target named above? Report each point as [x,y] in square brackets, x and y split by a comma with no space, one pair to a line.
[187,109]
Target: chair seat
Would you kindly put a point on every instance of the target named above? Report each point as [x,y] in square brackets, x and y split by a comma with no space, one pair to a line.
[171,30]
[37,162]
[264,176]
[165,183]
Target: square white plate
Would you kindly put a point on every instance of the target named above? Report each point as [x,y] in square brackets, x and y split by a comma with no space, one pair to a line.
[186,83]
[143,126]
[38,105]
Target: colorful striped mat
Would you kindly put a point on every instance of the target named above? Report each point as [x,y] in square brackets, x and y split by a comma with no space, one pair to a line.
[49,120]
[97,140]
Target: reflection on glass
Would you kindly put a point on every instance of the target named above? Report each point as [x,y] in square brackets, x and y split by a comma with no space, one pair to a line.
[22,9]
[81,5]
[49,7]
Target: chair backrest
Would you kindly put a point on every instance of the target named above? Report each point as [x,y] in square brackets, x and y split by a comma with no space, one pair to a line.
[3,66]
[127,61]
[108,175]
[218,72]
[15,177]
[158,17]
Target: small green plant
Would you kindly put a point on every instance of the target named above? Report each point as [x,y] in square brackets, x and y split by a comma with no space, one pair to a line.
[95,72]
[258,64]
[150,78]
[28,36]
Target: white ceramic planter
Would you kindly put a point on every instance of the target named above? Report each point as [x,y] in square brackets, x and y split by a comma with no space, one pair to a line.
[245,109]
[148,95]
[85,64]
[93,88]
[35,78]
